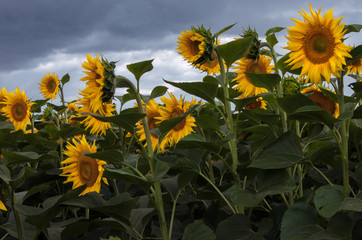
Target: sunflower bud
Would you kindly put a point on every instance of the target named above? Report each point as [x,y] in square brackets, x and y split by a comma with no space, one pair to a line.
[253,52]
[109,87]
[291,86]
[48,114]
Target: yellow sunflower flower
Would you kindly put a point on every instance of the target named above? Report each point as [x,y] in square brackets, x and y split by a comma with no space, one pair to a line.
[321,100]
[49,86]
[81,169]
[95,82]
[96,126]
[316,46]
[152,112]
[244,65]
[191,46]
[17,109]
[258,103]
[3,93]
[355,67]
[211,67]
[174,108]
[2,206]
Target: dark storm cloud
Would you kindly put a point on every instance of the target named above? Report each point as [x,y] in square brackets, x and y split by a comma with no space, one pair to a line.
[30,30]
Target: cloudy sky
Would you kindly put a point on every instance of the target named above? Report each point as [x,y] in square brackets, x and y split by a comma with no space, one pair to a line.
[41,36]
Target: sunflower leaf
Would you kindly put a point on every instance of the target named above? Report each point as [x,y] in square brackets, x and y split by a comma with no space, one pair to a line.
[352,28]
[356,54]
[274,30]
[204,90]
[268,81]
[198,230]
[234,50]
[216,35]
[284,67]
[272,40]
[139,68]
[65,79]
[158,91]
[284,152]
[167,125]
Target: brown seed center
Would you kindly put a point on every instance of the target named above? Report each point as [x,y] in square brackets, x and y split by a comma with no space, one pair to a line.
[319,45]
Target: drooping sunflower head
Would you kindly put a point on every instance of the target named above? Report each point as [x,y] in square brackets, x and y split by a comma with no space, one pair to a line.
[17,109]
[253,52]
[321,100]
[355,67]
[152,112]
[196,46]
[81,169]
[94,70]
[175,108]
[3,94]
[244,65]
[316,46]
[49,86]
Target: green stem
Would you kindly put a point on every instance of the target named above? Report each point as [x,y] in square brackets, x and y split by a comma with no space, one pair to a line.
[322,174]
[150,156]
[300,180]
[344,138]
[210,168]
[220,193]
[19,225]
[173,214]
[229,120]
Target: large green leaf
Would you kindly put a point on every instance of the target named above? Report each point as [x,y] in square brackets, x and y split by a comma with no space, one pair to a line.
[158,91]
[128,176]
[271,182]
[291,103]
[126,120]
[65,79]
[328,200]
[234,50]
[204,90]
[300,223]
[20,157]
[264,80]
[284,152]
[243,197]
[313,114]
[140,68]
[284,67]
[236,227]
[192,141]
[198,230]
[110,156]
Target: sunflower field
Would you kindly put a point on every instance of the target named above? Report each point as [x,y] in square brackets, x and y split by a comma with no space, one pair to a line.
[264,147]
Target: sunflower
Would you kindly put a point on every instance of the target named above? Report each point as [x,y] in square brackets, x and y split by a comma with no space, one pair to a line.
[49,86]
[95,82]
[211,67]
[96,126]
[258,103]
[174,108]
[355,67]
[81,169]
[152,111]
[2,206]
[191,46]
[321,100]
[3,93]
[244,65]
[17,109]
[316,46]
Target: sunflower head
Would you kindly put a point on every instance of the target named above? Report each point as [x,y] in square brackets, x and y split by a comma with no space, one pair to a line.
[81,169]
[49,86]
[291,86]
[3,94]
[316,46]
[109,87]
[258,103]
[17,109]
[175,108]
[243,83]
[253,52]
[355,67]
[196,46]
[321,100]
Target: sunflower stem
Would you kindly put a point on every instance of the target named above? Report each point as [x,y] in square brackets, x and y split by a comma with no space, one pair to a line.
[19,225]
[229,119]
[344,138]
[151,161]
